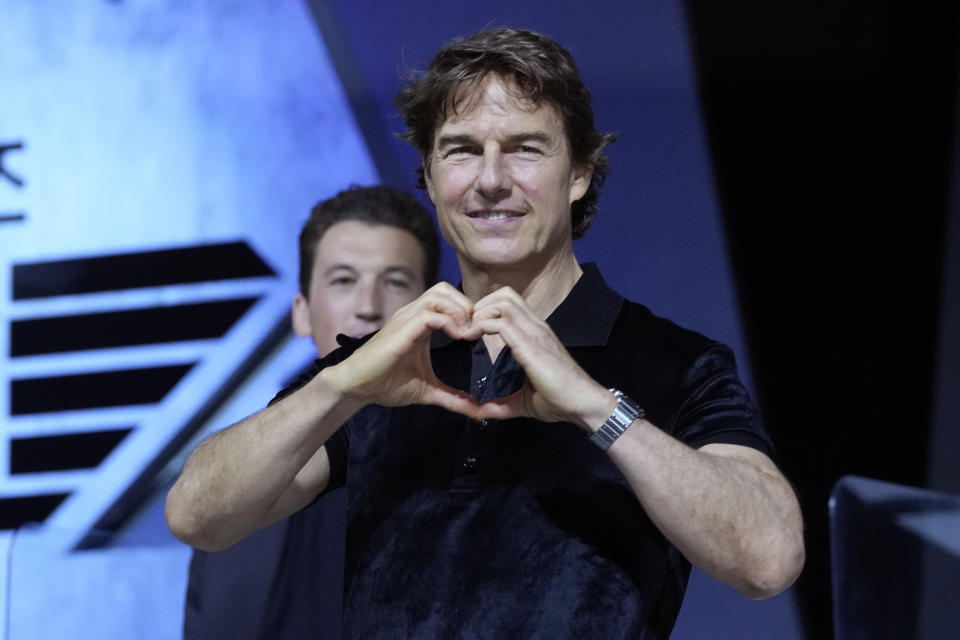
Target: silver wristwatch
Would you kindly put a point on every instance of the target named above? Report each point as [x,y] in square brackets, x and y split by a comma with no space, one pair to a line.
[622,417]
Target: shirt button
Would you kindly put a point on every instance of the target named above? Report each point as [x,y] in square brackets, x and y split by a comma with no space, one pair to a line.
[484,424]
[470,462]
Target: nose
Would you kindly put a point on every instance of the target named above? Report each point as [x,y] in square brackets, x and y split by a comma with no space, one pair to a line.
[493,182]
[369,302]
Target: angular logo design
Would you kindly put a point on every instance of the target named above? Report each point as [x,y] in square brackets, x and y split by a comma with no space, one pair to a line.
[85,377]
[148,238]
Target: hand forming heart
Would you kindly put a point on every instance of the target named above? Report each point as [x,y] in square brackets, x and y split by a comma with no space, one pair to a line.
[393,368]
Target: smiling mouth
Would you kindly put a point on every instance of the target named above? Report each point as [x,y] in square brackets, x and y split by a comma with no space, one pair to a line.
[494,215]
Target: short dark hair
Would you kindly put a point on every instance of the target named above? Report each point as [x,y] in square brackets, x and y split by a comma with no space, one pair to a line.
[539,68]
[373,205]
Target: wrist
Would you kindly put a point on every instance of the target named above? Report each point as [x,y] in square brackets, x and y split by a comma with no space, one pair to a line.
[624,413]
[333,384]
[595,410]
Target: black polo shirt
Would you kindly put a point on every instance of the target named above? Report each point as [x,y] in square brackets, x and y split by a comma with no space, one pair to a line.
[520,528]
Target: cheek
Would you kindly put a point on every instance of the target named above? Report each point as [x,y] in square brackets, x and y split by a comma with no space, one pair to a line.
[451,183]
[328,311]
[539,183]
[444,223]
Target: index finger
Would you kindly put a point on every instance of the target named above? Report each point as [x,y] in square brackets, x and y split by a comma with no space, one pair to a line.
[440,298]
[448,297]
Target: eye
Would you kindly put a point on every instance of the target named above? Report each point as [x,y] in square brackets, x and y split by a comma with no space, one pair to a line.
[342,281]
[462,150]
[525,148]
[398,283]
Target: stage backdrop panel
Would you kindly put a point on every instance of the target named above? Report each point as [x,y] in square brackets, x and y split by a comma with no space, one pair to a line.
[157,160]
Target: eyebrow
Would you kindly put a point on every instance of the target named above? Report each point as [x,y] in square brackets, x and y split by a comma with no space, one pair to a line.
[453,139]
[404,270]
[347,267]
[338,267]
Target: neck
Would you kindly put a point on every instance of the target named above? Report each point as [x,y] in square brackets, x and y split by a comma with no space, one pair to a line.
[543,288]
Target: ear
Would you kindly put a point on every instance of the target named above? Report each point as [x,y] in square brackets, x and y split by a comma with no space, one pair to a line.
[425,163]
[300,316]
[580,181]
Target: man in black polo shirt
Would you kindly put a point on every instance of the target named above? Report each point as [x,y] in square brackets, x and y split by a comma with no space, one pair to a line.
[529,455]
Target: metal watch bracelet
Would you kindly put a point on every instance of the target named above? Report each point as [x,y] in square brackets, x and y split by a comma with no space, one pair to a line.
[622,417]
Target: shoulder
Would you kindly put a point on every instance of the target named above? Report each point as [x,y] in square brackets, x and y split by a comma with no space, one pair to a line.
[687,382]
[638,329]
[662,360]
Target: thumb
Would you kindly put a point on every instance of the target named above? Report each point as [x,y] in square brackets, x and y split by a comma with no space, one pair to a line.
[451,399]
[511,406]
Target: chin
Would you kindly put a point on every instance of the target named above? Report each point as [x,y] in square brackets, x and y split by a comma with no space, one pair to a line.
[495,256]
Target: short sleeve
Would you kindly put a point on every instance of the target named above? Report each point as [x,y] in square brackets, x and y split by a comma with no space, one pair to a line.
[715,407]
[338,445]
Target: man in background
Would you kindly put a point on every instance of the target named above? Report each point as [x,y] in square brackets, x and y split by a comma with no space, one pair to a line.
[364,253]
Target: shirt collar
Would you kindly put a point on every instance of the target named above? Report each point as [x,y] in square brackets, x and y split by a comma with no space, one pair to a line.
[585,318]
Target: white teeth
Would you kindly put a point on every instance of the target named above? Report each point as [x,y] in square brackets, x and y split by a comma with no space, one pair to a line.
[493,215]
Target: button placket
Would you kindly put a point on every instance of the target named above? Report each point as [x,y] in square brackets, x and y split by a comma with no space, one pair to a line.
[471,459]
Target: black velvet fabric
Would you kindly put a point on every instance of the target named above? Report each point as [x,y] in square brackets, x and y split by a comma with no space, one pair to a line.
[512,529]
[519,528]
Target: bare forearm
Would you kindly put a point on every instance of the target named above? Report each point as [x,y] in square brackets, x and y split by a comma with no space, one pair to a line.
[273,463]
[258,470]
[727,508]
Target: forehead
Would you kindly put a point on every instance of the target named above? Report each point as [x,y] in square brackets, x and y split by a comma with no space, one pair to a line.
[498,100]
[362,245]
